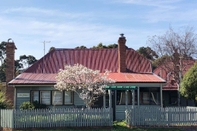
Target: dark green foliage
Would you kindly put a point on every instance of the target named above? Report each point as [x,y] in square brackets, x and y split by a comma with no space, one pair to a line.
[112,46]
[148,53]
[18,65]
[2,73]
[27,105]
[160,61]
[37,105]
[3,102]
[2,51]
[2,60]
[3,106]
[99,46]
[33,105]
[188,86]
[81,47]
[21,63]
[29,60]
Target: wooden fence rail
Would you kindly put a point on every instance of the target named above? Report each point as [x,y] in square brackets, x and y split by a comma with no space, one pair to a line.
[55,118]
[158,116]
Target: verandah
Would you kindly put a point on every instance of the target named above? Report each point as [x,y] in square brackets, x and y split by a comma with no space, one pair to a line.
[127,88]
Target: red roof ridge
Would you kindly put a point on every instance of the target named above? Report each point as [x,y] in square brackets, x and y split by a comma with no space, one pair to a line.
[132,73]
[90,49]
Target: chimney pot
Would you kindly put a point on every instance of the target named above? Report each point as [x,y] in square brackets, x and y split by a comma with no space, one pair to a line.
[10,39]
[121,35]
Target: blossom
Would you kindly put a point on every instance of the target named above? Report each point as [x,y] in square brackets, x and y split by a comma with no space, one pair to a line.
[87,83]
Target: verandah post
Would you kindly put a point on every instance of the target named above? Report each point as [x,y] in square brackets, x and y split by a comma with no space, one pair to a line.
[104,100]
[161,98]
[138,95]
[110,99]
[126,100]
[133,97]
[110,105]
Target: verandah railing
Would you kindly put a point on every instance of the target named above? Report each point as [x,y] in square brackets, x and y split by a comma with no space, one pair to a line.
[69,117]
[159,116]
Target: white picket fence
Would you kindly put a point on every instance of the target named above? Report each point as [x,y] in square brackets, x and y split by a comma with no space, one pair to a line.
[159,116]
[20,119]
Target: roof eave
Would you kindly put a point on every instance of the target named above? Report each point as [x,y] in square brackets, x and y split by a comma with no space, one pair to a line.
[31,84]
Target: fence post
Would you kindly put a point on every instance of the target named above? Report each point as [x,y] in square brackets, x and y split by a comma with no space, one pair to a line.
[128,117]
[111,116]
[12,118]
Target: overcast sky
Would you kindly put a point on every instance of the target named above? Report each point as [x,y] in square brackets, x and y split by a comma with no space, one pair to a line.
[71,23]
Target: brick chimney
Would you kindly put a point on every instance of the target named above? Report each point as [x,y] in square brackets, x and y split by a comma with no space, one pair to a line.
[122,54]
[10,68]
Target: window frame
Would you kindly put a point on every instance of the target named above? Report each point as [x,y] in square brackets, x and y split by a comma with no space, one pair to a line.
[51,97]
[148,91]
[71,97]
[62,96]
[121,97]
[32,95]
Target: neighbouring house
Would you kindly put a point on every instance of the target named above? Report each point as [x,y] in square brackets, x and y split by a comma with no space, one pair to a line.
[171,89]
[135,82]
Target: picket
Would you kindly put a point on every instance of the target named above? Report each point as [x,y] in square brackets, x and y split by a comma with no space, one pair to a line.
[6,118]
[159,116]
[68,117]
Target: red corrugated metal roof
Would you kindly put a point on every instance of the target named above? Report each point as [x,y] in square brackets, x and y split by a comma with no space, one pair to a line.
[34,79]
[135,78]
[44,71]
[96,59]
[49,79]
[163,72]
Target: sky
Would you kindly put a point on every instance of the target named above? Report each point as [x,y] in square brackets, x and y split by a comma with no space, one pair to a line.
[37,25]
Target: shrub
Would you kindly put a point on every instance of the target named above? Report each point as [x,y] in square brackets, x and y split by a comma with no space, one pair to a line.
[3,102]
[33,105]
[3,105]
[27,105]
[37,105]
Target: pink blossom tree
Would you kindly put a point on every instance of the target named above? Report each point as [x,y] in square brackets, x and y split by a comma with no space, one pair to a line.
[87,83]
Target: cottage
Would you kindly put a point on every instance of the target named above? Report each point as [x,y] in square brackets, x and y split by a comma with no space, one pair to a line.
[171,88]
[135,82]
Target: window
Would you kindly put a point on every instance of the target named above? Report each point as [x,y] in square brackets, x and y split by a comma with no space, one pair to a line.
[145,98]
[149,96]
[57,98]
[52,97]
[34,96]
[173,98]
[154,98]
[67,97]
[121,97]
[45,97]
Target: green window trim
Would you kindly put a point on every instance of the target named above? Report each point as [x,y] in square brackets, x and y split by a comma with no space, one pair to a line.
[121,87]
